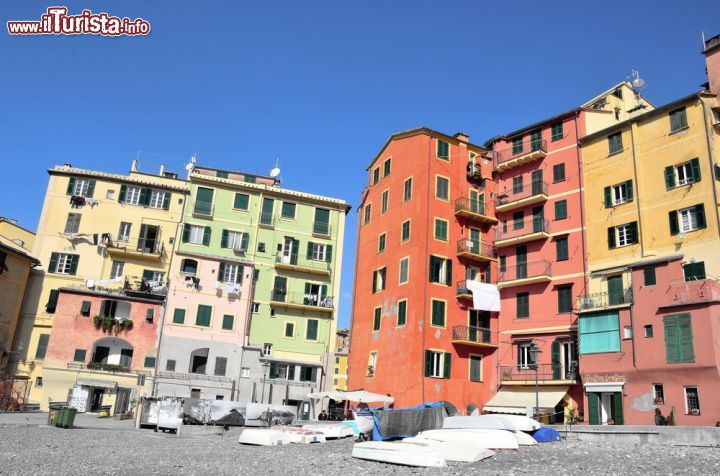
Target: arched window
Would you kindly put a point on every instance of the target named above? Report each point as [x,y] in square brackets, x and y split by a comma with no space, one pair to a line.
[112,351]
[198,360]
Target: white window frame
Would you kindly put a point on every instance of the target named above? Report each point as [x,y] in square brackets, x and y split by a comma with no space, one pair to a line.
[687,219]
[438,369]
[372,362]
[384,201]
[267,349]
[697,393]
[132,195]
[380,281]
[124,233]
[196,235]
[158,277]
[622,235]
[234,240]
[319,251]
[117,268]
[156,199]
[63,263]
[406,261]
[81,187]
[684,170]
[231,273]
[245,372]
[255,307]
[526,360]
[110,194]
[620,193]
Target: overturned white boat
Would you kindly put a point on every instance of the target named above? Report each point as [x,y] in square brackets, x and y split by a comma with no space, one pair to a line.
[465,451]
[398,453]
[331,430]
[520,422]
[484,438]
[481,422]
[300,435]
[524,439]
[263,437]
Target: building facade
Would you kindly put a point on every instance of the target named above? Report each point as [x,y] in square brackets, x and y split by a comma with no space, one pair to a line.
[342,348]
[424,238]
[100,230]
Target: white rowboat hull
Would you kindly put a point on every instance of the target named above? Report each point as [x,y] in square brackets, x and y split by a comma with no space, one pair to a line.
[483,422]
[489,439]
[467,452]
[398,453]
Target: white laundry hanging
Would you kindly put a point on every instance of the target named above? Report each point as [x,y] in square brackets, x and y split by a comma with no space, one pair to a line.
[486,297]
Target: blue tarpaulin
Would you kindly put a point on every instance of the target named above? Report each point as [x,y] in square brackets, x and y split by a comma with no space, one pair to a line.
[546,435]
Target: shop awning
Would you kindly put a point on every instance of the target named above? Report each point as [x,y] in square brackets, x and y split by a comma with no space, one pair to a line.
[93,382]
[516,400]
[604,387]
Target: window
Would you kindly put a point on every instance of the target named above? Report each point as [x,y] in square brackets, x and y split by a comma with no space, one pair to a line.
[659,393]
[196,234]
[503,263]
[517,184]
[72,225]
[440,270]
[561,210]
[311,331]
[367,213]
[249,179]
[42,346]
[379,280]
[522,305]
[407,189]
[678,120]
[85,308]
[564,298]
[149,362]
[116,270]
[618,194]
[649,276]
[694,271]
[648,330]
[682,174]
[321,222]
[678,338]
[308,374]
[404,270]
[290,329]
[525,358]
[405,231]
[386,167]
[627,332]
[561,249]
[235,240]
[288,210]
[203,315]
[441,229]
[230,273]
[442,188]
[437,364]
[255,307]
[188,267]
[79,355]
[39,382]
[622,235]
[203,201]
[518,220]
[384,202]
[110,194]
[692,401]
[437,314]
[443,150]
[267,349]
[319,252]
[377,318]
[599,333]
[124,233]
[615,144]
[517,145]
[402,313]
[179,316]
[687,219]
[79,186]
[220,366]
[242,201]
[376,175]
[228,322]
[556,131]
[157,199]
[62,263]
[618,93]
[475,368]
[170,365]
[558,173]
[132,195]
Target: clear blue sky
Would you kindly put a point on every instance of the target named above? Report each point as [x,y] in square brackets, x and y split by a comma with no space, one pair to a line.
[319,84]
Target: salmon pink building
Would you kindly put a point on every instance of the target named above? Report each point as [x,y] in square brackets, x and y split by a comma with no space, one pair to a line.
[424,320]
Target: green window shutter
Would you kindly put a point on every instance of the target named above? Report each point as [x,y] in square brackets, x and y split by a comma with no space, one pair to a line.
[249,179]
[221,174]
[228,322]
[241,201]
[669,177]
[309,253]
[649,276]
[52,266]
[695,166]
[85,308]
[611,237]
[685,338]
[186,233]
[674,225]
[629,188]
[179,316]
[203,315]
[448,272]
[446,365]
[608,197]
[221,272]
[206,236]
[323,291]
[52,301]
[618,408]
[145,196]
[224,239]
[633,232]
[594,408]
[672,345]
[71,186]
[42,346]
[312,329]
[428,362]
[556,366]
[166,201]
[561,249]
[148,274]
[149,362]
[123,192]
[74,260]
[475,368]
[91,189]
[328,253]
[700,215]
[374,281]
[561,209]
[402,313]
[244,242]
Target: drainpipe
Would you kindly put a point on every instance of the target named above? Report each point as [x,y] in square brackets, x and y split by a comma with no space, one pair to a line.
[425,268]
[708,134]
[642,248]
[582,202]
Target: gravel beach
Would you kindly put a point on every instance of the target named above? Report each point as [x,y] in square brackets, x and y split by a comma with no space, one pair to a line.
[45,450]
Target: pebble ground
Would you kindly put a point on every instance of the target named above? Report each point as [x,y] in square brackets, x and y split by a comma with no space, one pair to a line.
[45,450]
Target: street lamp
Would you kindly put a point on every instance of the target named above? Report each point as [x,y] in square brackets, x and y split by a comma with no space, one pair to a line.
[535,353]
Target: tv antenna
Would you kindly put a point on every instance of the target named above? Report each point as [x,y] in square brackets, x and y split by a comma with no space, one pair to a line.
[275,172]
[637,82]
[190,166]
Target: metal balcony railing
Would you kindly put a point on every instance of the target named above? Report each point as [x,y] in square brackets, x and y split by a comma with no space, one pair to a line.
[515,194]
[321,228]
[478,248]
[473,206]
[149,246]
[692,292]
[532,269]
[293,260]
[203,209]
[522,228]
[302,299]
[479,335]
[526,147]
[191,376]
[267,219]
[604,299]
[545,372]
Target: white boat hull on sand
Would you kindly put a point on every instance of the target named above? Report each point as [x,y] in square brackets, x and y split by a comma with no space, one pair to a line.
[465,451]
[489,439]
[520,422]
[483,422]
[300,435]
[331,430]
[398,453]
[524,439]
[263,437]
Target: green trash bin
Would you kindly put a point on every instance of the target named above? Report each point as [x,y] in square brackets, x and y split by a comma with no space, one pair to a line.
[67,418]
[53,415]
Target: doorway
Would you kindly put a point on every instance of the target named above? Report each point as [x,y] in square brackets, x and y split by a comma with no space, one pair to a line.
[96,396]
[122,400]
[149,235]
[289,252]
[606,408]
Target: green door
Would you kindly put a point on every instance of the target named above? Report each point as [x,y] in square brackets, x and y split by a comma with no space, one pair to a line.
[538,219]
[536,182]
[521,261]
[266,215]
[594,408]
[556,365]
[535,140]
[617,409]
[475,239]
[615,290]
[280,289]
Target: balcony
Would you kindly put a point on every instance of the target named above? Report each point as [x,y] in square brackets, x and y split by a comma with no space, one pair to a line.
[144,248]
[111,368]
[527,273]
[267,220]
[604,300]
[530,151]
[302,301]
[321,229]
[291,263]
[516,233]
[474,210]
[461,290]
[474,336]
[203,210]
[546,374]
[477,251]
[528,194]
[474,174]
[190,376]
[686,293]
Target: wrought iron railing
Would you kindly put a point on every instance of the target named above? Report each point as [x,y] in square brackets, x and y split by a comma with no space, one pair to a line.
[310,299]
[479,248]
[294,260]
[604,299]
[267,219]
[150,246]
[474,206]
[480,335]
[514,194]
[321,228]
[203,209]
[527,146]
[545,372]
[520,228]
[525,270]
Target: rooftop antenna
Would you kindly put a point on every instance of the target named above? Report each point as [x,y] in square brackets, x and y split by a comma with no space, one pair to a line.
[638,84]
[190,166]
[275,172]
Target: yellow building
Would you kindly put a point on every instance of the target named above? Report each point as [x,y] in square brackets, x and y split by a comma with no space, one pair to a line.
[341,360]
[16,261]
[98,230]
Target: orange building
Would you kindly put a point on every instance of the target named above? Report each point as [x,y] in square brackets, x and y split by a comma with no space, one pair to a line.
[424,237]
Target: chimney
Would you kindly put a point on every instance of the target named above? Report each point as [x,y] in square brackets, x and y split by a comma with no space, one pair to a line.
[711,50]
[133,167]
[462,136]
[162,170]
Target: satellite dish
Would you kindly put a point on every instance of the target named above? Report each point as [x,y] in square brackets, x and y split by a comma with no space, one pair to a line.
[638,83]
[275,172]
